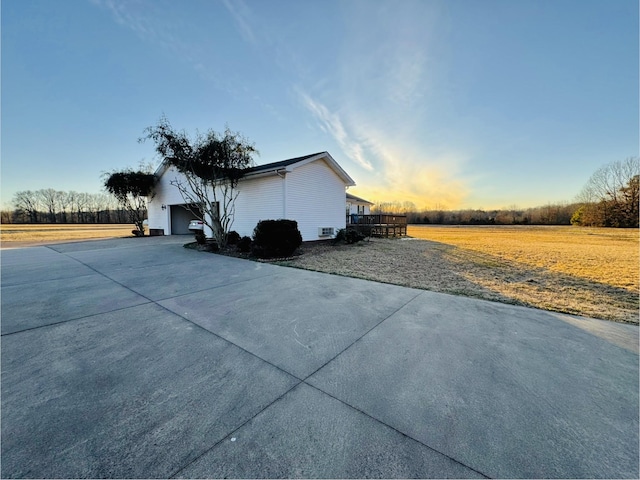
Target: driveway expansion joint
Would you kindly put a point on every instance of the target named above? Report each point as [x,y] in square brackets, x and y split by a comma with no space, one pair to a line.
[398,431]
[363,335]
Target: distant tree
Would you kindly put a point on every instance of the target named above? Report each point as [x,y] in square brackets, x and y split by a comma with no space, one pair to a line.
[629,211]
[63,201]
[6,216]
[27,205]
[131,189]
[211,165]
[53,202]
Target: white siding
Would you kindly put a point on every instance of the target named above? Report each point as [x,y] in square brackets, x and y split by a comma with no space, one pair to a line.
[258,199]
[165,194]
[315,198]
[352,207]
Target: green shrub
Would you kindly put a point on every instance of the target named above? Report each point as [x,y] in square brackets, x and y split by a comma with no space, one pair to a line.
[211,245]
[349,236]
[244,245]
[276,238]
[233,237]
[201,239]
[354,236]
[341,236]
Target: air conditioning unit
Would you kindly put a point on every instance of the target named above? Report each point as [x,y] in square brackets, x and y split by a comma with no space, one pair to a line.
[325,231]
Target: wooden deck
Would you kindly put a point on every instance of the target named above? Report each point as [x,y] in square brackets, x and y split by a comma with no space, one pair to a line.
[380,225]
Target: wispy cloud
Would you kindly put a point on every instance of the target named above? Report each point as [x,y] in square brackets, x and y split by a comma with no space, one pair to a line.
[406,79]
[126,15]
[163,27]
[332,124]
[242,16]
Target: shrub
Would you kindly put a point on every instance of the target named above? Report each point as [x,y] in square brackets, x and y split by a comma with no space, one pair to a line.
[276,238]
[341,236]
[244,245]
[201,239]
[233,237]
[349,236]
[211,245]
[354,236]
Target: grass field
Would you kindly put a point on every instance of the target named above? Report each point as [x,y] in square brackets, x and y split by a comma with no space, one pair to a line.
[607,255]
[30,234]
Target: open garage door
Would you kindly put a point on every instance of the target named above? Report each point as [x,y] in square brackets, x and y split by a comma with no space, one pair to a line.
[180,218]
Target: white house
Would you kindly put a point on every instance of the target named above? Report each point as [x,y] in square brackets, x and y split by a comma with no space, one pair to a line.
[310,190]
[357,205]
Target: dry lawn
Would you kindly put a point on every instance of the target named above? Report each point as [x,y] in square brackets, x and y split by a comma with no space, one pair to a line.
[590,272]
[21,235]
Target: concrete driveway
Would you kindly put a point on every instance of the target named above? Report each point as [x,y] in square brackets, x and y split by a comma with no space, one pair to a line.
[139,358]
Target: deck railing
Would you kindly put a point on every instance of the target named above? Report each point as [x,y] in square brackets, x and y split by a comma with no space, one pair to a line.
[378,225]
[376,219]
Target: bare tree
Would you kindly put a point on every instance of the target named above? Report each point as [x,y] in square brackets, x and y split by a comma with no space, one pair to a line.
[211,166]
[82,205]
[48,199]
[27,203]
[63,202]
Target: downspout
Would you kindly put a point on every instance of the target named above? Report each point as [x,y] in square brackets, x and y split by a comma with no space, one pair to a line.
[283,175]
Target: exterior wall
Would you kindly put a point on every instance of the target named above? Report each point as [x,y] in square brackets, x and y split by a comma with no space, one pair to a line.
[165,194]
[352,207]
[258,199]
[315,198]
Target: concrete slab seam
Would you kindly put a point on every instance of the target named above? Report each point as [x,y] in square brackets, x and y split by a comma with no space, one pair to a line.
[362,336]
[166,298]
[76,319]
[44,281]
[207,450]
[215,287]
[200,327]
[377,420]
[51,246]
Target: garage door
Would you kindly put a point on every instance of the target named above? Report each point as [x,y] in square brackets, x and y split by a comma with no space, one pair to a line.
[180,218]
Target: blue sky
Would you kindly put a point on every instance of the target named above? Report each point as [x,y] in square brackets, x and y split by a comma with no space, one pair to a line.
[445,103]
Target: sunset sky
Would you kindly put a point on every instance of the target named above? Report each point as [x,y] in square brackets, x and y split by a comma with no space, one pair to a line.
[445,103]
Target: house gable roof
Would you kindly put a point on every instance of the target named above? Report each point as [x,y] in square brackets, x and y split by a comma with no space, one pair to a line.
[292,163]
[353,198]
[285,166]
[280,164]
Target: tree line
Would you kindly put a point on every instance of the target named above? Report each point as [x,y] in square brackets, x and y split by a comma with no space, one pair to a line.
[551,214]
[610,198]
[54,206]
